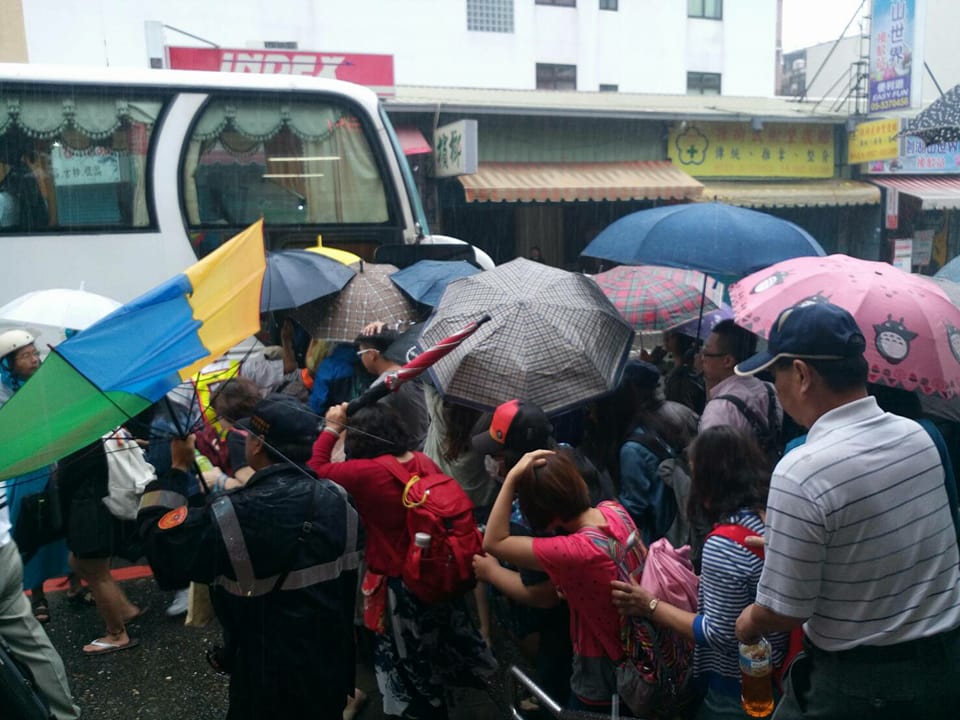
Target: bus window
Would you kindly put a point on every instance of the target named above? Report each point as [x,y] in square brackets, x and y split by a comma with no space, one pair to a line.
[71,161]
[294,162]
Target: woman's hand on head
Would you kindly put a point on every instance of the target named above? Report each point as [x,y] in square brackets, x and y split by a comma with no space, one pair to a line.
[629,598]
[529,461]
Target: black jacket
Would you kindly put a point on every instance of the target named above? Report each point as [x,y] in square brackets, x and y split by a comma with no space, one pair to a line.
[288,617]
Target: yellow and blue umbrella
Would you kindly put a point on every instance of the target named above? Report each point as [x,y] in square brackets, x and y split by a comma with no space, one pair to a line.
[130,359]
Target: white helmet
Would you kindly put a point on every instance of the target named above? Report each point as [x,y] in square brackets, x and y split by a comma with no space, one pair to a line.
[13,340]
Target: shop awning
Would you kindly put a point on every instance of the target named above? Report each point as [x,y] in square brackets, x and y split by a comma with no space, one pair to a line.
[412,140]
[818,193]
[934,192]
[577,182]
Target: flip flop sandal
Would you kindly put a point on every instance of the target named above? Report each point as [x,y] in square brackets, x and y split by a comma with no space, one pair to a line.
[41,611]
[107,648]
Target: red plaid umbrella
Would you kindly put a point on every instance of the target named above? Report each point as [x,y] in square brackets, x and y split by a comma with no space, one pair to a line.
[416,366]
[650,297]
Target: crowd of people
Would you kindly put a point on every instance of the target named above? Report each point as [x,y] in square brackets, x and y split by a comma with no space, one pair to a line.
[296,519]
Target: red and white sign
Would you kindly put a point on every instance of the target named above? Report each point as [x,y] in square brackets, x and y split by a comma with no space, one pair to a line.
[374,71]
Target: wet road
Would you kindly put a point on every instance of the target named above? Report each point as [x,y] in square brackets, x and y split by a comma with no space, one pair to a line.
[167,676]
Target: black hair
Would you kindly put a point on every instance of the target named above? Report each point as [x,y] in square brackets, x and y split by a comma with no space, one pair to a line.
[374,431]
[729,472]
[378,341]
[296,452]
[838,375]
[735,340]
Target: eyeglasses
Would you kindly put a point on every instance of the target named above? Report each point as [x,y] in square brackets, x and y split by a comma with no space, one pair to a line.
[361,352]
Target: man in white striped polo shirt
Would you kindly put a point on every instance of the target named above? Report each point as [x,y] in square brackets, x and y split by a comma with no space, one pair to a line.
[861,546]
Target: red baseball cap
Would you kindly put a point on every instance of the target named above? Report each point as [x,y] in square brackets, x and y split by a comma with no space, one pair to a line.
[516,425]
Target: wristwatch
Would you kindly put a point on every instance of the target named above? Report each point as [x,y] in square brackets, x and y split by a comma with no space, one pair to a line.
[652,605]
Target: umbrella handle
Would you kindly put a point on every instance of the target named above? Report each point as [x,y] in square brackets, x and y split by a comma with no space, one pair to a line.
[369,397]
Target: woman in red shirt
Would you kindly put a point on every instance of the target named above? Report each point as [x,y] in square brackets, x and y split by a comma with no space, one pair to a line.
[419,648]
[555,501]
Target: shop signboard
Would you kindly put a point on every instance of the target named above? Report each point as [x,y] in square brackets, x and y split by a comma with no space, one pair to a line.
[893,209]
[732,149]
[903,254]
[875,140]
[374,71]
[455,149]
[918,159]
[896,58]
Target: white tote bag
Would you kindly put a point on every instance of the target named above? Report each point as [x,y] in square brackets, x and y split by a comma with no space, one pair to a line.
[128,474]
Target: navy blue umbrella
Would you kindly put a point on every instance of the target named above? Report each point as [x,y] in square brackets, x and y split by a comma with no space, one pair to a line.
[713,238]
[295,277]
[425,280]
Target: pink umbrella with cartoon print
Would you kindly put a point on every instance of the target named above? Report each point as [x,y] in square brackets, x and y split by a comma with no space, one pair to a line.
[911,327]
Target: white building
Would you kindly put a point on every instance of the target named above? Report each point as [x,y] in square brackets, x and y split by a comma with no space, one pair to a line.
[639,46]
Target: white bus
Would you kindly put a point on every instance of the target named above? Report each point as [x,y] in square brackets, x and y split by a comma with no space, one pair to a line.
[116,179]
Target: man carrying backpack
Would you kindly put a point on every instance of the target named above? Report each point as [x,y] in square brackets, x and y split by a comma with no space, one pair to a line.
[746,403]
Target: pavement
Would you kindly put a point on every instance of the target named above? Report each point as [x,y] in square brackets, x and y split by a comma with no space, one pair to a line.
[167,677]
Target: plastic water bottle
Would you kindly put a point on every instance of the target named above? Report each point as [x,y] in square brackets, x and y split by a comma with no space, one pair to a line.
[756,678]
[422,540]
[203,462]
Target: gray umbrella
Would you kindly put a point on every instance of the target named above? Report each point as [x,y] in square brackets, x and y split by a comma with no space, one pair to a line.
[940,122]
[554,339]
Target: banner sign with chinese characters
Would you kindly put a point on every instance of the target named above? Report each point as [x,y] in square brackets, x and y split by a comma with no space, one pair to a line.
[919,159]
[96,166]
[724,149]
[875,140]
[455,149]
[896,60]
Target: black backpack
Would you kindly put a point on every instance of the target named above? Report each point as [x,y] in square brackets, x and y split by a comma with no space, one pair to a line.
[18,693]
[769,431]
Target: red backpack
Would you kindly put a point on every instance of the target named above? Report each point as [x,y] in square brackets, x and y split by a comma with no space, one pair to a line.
[438,506]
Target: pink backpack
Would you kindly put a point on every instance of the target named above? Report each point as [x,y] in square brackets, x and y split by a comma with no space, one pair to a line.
[437,505]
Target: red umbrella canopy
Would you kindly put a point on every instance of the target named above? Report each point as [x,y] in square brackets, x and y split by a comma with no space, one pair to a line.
[911,327]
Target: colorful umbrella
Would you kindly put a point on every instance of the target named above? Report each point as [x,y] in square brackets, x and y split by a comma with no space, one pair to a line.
[911,327]
[368,297]
[654,298]
[111,371]
[554,338]
[344,257]
[58,307]
[296,277]
[712,237]
[415,367]
[939,123]
[425,280]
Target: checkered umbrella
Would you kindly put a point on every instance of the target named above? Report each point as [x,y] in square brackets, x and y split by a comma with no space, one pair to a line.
[368,297]
[553,339]
[653,298]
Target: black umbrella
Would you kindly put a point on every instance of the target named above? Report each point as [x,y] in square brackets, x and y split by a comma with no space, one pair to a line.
[295,277]
[940,122]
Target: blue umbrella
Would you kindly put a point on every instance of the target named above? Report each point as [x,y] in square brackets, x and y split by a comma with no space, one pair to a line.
[713,238]
[950,271]
[296,277]
[425,280]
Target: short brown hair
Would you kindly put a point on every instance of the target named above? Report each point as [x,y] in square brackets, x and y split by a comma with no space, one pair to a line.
[552,491]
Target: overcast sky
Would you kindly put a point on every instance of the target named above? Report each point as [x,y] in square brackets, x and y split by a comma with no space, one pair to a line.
[808,22]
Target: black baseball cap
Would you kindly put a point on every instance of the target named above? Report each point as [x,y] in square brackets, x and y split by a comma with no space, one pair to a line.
[280,419]
[516,425]
[814,331]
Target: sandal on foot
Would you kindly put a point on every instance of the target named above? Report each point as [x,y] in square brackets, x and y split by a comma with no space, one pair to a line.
[81,596]
[41,611]
[104,647]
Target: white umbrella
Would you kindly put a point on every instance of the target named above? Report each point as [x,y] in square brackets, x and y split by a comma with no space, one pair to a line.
[59,308]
